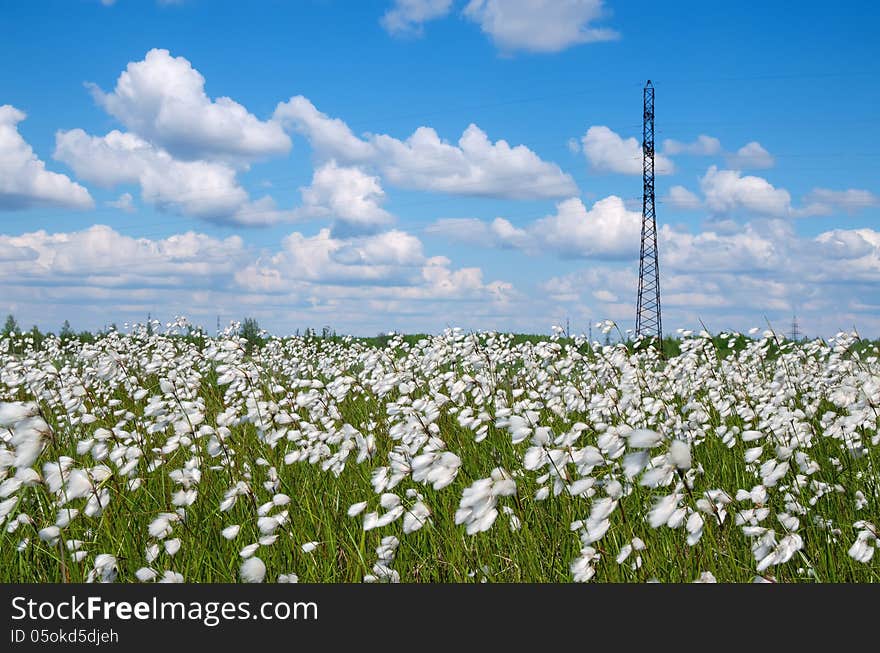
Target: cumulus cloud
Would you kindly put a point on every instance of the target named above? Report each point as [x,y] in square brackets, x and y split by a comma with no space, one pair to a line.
[366,282]
[702,146]
[539,25]
[390,266]
[750,156]
[727,191]
[772,249]
[101,257]
[601,282]
[125,202]
[475,166]
[747,250]
[24,180]
[736,280]
[202,189]
[387,258]
[680,197]
[823,201]
[472,231]
[608,152]
[162,99]
[607,230]
[406,17]
[346,194]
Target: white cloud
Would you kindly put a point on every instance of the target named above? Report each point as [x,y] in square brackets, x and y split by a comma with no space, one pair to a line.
[347,195]
[539,25]
[608,152]
[359,284]
[474,167]
[605,296]
[10,252]
[472,231]
[746,251]
[329,137]
[751,155]
[101,257]
[771,249]
[24,180]
[823,201]
[124,203]
[727,191]
[393,256]
[736,280]
[607,230]
[390,266]
[162,99]
[702,146]
[848,243]
[406,17]
[464,230]
[855,255]
[680,197]
[201,189]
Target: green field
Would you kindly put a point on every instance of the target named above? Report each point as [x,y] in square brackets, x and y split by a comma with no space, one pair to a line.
[480,457]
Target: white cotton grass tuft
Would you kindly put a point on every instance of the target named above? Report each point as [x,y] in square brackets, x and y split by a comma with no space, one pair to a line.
[105,569]
[252,570]
[15,411]
[169,576]
[477,509]
[866,543]
[145,574]
[29,438]
[680,454]
[643,438]
[628,442]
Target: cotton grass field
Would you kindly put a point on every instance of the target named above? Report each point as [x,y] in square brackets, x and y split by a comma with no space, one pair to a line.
[146,457]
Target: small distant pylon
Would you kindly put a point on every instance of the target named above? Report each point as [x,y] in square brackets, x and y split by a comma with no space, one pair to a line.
[795,330]
[648,321]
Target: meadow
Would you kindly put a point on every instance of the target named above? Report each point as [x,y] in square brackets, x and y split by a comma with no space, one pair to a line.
[459,457]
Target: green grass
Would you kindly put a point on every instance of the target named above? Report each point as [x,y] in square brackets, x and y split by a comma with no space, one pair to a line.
[541,550]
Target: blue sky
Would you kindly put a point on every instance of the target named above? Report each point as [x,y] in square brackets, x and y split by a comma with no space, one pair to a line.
[430,163]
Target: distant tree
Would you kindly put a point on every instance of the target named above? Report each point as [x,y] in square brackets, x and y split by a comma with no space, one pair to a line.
[66,332]
[250,331]
[149,324]
[37,337]
[11,325]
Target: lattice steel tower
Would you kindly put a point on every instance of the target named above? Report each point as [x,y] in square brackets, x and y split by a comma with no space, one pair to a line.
[648,322]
